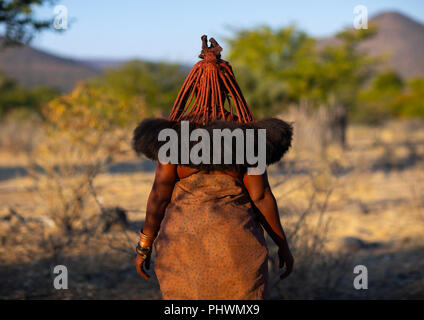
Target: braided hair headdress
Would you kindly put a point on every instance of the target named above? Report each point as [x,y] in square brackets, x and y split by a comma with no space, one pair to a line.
[208,86]
[210,98]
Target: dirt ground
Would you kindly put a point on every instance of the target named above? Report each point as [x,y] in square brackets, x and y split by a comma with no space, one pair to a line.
[360,206]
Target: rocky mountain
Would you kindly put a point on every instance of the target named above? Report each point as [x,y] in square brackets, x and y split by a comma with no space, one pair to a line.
[399,41]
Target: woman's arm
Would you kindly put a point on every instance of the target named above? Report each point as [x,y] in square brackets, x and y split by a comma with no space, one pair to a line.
[263,198]
[160,195]
[165,179]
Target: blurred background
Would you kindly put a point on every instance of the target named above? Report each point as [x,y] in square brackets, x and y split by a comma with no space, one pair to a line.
[76,77]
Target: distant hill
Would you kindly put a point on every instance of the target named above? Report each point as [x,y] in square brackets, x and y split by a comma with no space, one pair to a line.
[399,39]
[102,64]
[32,67]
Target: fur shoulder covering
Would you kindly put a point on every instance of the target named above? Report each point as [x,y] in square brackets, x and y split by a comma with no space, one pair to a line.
[278,140]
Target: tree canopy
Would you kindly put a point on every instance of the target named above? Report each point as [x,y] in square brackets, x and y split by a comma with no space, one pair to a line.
[18,20]
[279,67]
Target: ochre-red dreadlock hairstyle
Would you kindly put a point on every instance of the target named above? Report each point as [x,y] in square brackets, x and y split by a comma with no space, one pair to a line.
[208,86]
[210,98]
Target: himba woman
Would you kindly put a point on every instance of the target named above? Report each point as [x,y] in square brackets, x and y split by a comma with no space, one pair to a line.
[206,221]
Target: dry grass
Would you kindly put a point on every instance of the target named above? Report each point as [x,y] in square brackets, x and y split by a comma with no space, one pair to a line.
[372,191]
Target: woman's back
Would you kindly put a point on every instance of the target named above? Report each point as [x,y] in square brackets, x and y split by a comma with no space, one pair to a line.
[212,230]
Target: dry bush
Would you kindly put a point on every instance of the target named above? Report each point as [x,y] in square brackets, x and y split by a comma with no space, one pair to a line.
[318,273]
[62,172]
[82,136]
[315,129]
[19,135]
[416,187]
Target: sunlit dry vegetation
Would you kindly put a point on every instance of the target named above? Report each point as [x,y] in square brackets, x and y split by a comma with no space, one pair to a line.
[362,205]
[350,191]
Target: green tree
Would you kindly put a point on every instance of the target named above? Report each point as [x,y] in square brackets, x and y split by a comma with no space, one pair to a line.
[410,103]
[273,68]
[18,21]
[342,72]
[13,96]
[281,67]
[378,102]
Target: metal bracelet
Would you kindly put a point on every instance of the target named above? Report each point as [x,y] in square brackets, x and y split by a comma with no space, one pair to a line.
[142,251]
[144,256]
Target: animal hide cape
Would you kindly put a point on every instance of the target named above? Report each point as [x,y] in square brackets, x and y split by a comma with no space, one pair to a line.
[278,140]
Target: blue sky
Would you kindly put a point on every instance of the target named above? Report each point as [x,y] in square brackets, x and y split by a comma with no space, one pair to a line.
[170,30]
